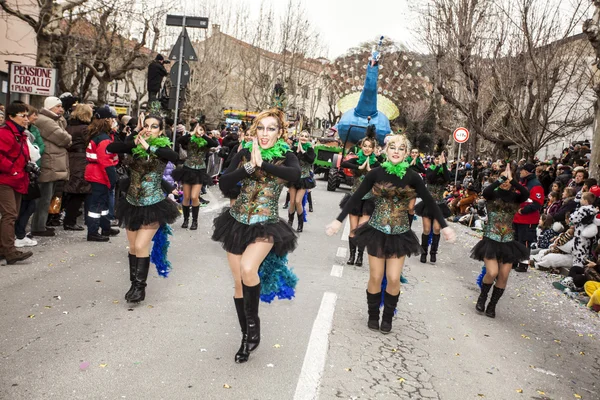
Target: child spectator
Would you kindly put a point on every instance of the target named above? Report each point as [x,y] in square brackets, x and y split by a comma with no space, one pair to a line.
[547,233]
[554,203]
[585,229]
[568,205]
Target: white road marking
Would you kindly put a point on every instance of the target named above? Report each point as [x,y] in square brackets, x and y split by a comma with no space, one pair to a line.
[341,252]
[346,231]
[337,271]
[316,353]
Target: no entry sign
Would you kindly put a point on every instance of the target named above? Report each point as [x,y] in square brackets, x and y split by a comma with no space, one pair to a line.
[32,80]
[461,135]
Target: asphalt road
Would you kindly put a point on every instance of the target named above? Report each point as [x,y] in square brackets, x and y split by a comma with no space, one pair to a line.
[67,333]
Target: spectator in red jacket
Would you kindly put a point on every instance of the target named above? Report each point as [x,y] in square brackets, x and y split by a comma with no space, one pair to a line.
[14,178]
[102,175]
[527,218]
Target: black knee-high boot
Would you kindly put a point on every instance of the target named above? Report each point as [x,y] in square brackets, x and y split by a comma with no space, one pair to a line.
[251,302]
[291,218]
[186,216]
[287,201]
[425,247]
[195,211]
[359,257]
[132,269]
[242,354]
[300,222]
[435,244]
[389,306]
[485,289]
[491,307]
[139,283]
[309,198]
[352,251]
[373,302]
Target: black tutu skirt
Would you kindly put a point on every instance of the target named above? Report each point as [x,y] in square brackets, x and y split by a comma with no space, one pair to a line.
[190,176]
[303,183]
[422,211]
[365,207]
[235,236]
[233,193]
[133,217]
[503,252]
[382,245]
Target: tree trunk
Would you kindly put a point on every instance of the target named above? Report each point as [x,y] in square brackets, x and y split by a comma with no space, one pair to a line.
[102,91]
[594,169]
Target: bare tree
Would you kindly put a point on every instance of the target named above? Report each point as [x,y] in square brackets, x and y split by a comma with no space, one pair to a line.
[510,69]
[591,28]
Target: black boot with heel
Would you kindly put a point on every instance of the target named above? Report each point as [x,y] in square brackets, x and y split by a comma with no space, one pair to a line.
[132,270]
[139,283]
[490,311]
[352,247]
[242,354]
[485,289]
[251,303]
[373,302]
[425,247]
[195,211]
[359,257]
[300,222]
[435,244]
[389,307]
[186,216]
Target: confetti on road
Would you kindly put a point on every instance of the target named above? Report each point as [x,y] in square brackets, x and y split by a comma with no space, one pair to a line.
[270,365]
[519,390]
[226,386]
[348,369]
[577,396]
[276,346]
[31,316]
[401,380]
[84,365]
[102,365]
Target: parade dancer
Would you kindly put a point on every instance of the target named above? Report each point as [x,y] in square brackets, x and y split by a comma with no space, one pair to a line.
[387,234]
[359,214]
[498,249]
[251,229]
[101,172]
[193,172]
[437,177]
[296,190]
[145,208]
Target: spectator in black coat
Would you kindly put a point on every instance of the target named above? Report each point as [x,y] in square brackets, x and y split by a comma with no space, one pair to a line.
[568,206]
[156,73]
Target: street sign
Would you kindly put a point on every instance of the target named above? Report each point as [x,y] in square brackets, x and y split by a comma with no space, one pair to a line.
[173,96]
[32,80]
[192,22]
[461,135]
[185,74]
[188,50]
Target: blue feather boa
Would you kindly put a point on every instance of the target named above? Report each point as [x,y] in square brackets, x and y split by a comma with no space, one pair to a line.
[480,277]
[276,278]
[160,248]
[304,201]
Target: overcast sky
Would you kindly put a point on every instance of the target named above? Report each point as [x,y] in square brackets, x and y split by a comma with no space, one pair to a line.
[342,23]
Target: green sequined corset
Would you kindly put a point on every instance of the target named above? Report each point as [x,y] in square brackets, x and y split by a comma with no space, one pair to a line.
[437,191]
[146,177]
[500,221]
[305,169]
[391,208]
[196,156]
[359,177]
[258,201]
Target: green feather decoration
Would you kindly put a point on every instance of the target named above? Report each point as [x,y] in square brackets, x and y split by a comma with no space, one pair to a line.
[198,141]
[277,151]
[160,141]
[362,158]
[396,169]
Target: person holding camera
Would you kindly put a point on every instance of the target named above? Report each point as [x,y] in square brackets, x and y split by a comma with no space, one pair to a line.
[14,179]
[156,73]
[36,149]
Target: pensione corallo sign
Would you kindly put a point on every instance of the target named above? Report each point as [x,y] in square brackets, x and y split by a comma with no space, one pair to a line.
[32,80]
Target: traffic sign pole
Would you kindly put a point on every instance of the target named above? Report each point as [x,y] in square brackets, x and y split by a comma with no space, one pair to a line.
[178,83]
[460,135]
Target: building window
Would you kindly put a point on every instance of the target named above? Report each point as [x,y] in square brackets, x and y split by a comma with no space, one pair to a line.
[305,92]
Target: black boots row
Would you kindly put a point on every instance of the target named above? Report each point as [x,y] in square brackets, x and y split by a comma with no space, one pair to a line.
[435,244]
[490,311]
[389,307]
[300,221]
[186,217]
[356,258]
[138,274]
[247,312]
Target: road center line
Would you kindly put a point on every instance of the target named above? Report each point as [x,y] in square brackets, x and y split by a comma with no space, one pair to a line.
[337,271]
[341,252]
[346,231]
[316,353]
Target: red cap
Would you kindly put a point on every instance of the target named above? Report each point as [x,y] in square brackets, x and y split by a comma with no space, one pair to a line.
[595,190]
